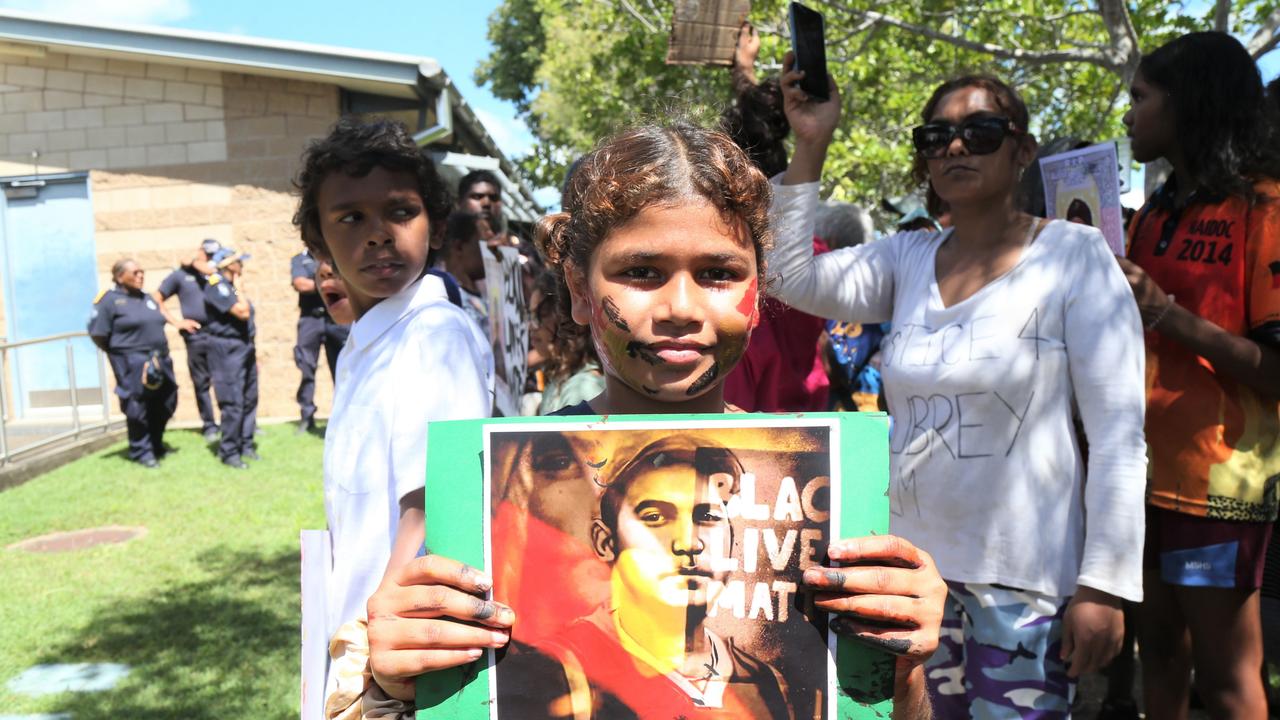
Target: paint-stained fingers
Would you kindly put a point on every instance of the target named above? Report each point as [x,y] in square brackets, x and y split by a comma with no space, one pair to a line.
[889,610]
[897,641]
[437,601]
[864,579]
[440,570]
[423,634]
[889,549]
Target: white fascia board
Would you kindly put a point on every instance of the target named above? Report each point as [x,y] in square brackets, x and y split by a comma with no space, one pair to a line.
[391,73]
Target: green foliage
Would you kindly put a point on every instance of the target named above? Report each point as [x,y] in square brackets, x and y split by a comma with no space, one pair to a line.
[204,608]
[579,70]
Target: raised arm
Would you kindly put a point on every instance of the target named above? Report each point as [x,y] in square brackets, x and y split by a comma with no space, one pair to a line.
[853,284]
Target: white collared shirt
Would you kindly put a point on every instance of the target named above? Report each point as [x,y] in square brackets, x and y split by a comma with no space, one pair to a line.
[413,358]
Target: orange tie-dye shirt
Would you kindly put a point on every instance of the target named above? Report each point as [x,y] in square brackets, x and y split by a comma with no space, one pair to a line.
[1214,444]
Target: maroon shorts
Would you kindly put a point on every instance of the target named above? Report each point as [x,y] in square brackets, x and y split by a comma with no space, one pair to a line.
[1203,552]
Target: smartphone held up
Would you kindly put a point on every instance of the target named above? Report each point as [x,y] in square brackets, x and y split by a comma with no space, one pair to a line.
[809,44]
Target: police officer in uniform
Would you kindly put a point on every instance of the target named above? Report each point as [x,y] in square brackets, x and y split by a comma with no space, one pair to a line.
[231,358]
[188,283]
[315,328]
[128,326]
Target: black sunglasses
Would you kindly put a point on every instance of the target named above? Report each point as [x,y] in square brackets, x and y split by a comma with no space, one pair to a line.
[981,136]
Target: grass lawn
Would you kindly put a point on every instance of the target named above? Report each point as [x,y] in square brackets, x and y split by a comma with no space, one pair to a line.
[204,608]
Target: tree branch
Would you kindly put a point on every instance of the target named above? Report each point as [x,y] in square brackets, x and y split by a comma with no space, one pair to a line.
[1124,54]
[1222,15]
[1264,40]
[638,16]
[1107,59]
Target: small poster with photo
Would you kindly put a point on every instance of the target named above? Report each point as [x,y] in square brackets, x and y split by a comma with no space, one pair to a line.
[1083,186]
[508,326]
[655,563]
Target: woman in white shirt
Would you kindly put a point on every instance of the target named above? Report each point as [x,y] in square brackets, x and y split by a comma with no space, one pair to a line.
[1001,325]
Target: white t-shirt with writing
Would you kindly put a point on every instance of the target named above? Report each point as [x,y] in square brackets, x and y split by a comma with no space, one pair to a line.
[412,358]
[985,467]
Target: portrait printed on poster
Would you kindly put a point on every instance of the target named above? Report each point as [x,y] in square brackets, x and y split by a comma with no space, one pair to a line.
[1083,186]
[655,568]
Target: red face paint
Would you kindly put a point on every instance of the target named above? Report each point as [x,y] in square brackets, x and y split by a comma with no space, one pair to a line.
[748,305]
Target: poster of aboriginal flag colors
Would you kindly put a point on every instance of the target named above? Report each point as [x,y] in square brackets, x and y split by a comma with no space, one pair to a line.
[654,564]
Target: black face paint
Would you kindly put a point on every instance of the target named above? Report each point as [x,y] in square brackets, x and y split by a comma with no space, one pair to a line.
[638,349]
[611,312]
[648,389]
[835,577]
[897,646]
[704,381]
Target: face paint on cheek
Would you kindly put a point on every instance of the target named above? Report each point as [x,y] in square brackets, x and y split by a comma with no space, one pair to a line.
[610,310]
[749,305]
[704,380]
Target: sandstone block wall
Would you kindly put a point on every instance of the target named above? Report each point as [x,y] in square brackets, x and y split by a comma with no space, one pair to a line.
[177,154]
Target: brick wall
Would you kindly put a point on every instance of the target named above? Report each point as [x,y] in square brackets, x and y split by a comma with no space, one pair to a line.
[178,154]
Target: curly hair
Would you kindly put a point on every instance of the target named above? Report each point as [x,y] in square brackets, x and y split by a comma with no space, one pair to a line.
[354,147]
[1219,109]
[646,166]
[571,346]
[1007,99]
[756,122]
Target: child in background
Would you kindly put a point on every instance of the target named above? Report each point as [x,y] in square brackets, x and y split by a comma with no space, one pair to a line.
[1204,266]
[372,205]
[568,359]
[660,249]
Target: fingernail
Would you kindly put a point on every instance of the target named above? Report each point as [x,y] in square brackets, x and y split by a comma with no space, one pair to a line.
[484,583]
[474,653]
[813,576]
[499,638]
[505,616]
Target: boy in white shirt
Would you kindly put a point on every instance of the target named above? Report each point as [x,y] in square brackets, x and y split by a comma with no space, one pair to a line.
[372,205]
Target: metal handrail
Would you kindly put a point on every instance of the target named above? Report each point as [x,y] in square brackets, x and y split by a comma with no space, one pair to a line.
[78,428]
[5,345]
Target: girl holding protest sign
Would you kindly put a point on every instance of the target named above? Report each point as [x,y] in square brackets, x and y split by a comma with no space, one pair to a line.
[660,251]
[1001,325]
[1204,264]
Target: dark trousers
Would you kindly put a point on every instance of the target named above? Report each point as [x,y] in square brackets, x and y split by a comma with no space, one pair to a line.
[146,410]
[235,386]
[312,333]
[198,367]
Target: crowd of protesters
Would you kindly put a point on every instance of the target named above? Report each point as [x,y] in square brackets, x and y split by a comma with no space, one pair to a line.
[1084,448]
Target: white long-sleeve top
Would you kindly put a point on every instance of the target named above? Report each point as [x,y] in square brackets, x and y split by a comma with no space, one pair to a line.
[986,472]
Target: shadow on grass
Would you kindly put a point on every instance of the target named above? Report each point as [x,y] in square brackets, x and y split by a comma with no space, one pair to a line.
[223,646]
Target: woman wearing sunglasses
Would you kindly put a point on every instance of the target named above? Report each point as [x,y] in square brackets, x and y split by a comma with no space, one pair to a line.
[1205,270]
[1000,325]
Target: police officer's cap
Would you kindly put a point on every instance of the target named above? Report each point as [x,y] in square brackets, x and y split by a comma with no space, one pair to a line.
[210,247]
[226,256]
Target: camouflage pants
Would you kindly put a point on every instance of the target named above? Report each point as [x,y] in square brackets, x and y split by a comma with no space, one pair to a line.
[998,656]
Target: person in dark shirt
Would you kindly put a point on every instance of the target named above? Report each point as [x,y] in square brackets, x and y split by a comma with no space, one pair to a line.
[232,358]
[127,325]
[188,283]
[315,328]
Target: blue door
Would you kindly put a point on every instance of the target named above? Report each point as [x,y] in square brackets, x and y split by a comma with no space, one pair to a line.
[50,280]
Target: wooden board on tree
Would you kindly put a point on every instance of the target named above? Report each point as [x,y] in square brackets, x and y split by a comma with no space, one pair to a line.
[705,32]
